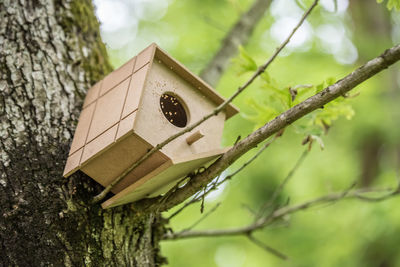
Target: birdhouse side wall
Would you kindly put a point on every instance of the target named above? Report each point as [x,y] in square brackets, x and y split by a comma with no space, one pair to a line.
[154,127]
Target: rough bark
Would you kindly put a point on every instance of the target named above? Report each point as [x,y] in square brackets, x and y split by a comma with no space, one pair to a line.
[50,54]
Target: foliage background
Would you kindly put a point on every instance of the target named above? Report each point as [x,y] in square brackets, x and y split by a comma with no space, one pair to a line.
[365,149]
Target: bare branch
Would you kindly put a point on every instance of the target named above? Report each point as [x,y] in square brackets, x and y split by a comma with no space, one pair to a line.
[284,182]
[259,152]
[199,196]
[202,218]
[267,248]
[190,202]
[281,212]
[169,193]
[317,101]
[358,194]
[238,35]
[217,183]
[215,112]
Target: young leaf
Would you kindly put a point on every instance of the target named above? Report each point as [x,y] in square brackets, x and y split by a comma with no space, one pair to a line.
[245,62]
[319,141]
[391,4]
[272,99]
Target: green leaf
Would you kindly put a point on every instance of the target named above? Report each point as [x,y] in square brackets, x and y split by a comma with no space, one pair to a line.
[319,141]
[391,4]
[261,112]
[245,62]
[272,99]
[319,87]
[266,77]
[330,81]
[303,93]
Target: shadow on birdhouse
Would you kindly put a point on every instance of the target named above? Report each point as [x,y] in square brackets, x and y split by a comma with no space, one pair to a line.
[133,109]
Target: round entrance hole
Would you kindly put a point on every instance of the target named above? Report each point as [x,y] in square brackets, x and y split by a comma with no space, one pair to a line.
[173,110]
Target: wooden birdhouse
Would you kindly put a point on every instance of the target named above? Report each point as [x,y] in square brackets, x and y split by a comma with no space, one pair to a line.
[136,107]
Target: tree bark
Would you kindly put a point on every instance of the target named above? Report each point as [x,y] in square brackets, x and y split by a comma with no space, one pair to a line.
[50,54]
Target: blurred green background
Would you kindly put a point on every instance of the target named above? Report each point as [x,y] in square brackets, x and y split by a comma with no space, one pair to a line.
[365,149]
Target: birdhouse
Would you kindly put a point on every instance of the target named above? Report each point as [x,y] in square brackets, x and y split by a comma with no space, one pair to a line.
[136,107]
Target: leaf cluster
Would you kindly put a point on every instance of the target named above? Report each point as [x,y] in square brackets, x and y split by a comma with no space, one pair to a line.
[273,99]
[391,4]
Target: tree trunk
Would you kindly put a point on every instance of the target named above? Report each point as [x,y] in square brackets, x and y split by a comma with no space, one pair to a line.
[50,54]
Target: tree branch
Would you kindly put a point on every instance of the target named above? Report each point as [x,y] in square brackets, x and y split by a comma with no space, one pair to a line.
[254,157]
[281,212]
[202,218]
[215,112]
[279,189]
[238,35]
[336,90]
[217,183]
[267,248]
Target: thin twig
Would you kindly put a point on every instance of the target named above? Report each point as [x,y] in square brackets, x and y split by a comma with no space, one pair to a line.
[202,201]
[269,249]
[237,35]
[255,156]
[279,189]
[215,112]
[249,209]
[184,206]
[259,152]
[300,86]
[197,197]
[216,184]
[167,195]
[201,218]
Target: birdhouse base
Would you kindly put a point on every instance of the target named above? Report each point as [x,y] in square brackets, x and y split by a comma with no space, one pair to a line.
[162,179]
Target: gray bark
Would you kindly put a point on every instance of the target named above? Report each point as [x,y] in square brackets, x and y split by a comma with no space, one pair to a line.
[50,54]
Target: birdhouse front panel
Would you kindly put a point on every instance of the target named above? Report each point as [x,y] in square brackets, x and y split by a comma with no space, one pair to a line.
[169,104]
